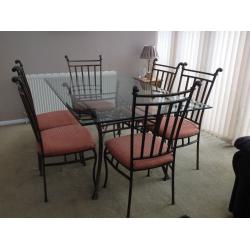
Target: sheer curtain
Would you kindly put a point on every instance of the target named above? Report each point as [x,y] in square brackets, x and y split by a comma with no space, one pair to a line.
[230,116]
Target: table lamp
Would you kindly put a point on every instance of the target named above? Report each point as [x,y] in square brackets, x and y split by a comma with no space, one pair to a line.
[149,52]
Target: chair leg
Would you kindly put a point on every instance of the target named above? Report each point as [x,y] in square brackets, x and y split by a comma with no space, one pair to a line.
[197,153]
[173,174]
[44,180]
[130,193]
[148,175]
[106,170]
[114,134]
[94,167]
[119,129]
[39,164]
[165,171]
[137,125]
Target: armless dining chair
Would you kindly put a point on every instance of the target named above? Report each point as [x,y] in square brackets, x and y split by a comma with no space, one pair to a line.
[86,89]
[85,75]
[46,120]
[145,150]
[58,141]
[86,81]
[164,76]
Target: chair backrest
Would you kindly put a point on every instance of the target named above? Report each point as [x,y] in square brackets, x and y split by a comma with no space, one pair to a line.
[202,93]
[154,107]
[85,75]
[163,75]
[19,69]
[28,108]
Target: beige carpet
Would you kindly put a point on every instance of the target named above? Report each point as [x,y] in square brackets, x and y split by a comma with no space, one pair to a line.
[204,193]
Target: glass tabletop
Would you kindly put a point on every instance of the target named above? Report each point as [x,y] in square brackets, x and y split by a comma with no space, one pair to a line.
[109,104]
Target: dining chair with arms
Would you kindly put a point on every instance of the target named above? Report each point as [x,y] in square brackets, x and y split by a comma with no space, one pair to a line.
[54,142]
[193,120]
[191,125]
[145,150]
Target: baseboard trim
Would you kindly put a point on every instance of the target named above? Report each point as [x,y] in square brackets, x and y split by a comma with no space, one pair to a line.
[13,122]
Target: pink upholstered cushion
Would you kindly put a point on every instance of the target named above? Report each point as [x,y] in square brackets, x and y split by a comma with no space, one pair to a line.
[55,119]
[100,105]
[94,105]
[188,128]
[67,139]
[120,148]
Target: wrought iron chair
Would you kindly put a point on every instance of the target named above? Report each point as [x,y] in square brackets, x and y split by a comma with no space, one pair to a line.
[164,76]
[45,120]
[84,75]
[191,126]
[59,141]
[146,150]
[86,80]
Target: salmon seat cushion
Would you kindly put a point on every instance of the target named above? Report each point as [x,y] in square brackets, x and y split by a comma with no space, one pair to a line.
[87,105]
[55,119]
[66,140]
[120,148]
[188,128]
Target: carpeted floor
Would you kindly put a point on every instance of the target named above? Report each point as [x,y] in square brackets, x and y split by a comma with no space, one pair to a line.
[204,193]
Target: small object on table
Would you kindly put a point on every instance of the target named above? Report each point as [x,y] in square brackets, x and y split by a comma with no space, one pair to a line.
[154,82]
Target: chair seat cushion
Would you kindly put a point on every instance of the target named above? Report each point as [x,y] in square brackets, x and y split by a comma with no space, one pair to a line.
[66,140]
[188,128]
[55,119]
[120,148]
[100,105]
[93,105]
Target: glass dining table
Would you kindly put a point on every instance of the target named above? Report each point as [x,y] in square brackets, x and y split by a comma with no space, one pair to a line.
[108,107]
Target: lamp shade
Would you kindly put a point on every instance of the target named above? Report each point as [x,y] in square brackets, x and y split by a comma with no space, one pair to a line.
[149,52]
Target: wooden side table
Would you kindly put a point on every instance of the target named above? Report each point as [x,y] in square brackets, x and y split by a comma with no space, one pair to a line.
[156,83]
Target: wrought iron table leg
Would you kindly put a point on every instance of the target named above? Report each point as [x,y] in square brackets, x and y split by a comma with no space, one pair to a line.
[99,165]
